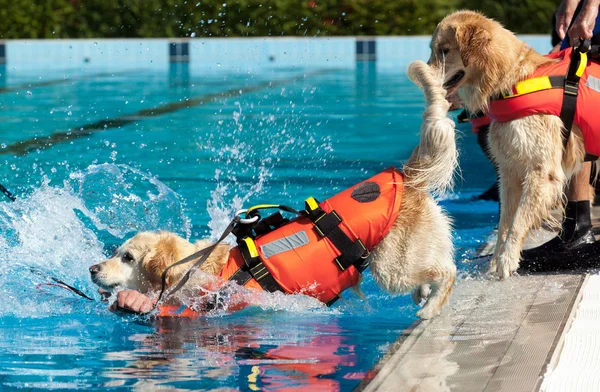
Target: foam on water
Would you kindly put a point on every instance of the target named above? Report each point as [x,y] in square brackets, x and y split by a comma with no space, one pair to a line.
[54,232]
[44,233]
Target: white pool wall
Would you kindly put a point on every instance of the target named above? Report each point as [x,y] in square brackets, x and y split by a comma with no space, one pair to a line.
[214,54]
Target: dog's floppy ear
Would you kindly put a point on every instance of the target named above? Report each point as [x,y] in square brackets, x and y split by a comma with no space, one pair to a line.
[473,42]
[163,254]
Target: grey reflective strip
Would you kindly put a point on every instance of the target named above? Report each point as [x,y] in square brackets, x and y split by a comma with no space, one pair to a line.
[593,83]
[284,244]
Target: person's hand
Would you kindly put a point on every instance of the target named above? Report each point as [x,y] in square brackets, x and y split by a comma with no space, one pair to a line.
[132,300]
[583,26]
[564,16]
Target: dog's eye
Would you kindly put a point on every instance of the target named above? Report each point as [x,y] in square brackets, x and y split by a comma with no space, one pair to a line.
[127,257]
[445,52]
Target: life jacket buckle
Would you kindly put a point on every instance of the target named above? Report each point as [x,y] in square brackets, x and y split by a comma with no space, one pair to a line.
[571,87]
[367,253]
[584,45]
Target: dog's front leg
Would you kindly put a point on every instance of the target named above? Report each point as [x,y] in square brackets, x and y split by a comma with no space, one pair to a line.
[541,192]
[511,189]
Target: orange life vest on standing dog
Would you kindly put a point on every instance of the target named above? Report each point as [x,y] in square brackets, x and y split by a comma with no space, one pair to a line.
[323,252]
[542,93]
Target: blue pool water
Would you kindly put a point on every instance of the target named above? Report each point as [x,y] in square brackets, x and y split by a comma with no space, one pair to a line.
[95,157]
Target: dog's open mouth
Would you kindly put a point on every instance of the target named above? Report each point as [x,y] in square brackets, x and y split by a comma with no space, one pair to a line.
[454,80]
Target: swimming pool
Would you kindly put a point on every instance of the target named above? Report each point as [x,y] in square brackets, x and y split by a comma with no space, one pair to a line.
[97,156]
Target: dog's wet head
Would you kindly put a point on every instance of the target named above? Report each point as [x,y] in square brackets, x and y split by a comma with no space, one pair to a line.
[458,48]
[138,264]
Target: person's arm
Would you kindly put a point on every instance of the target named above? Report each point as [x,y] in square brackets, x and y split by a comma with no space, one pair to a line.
[583,26]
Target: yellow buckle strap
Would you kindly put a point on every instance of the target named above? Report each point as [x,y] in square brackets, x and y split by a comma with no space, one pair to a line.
[261,207]
[529,86]
[251,247]
[582,64]
[311,202]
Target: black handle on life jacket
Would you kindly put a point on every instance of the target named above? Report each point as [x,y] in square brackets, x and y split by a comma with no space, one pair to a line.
[571,89]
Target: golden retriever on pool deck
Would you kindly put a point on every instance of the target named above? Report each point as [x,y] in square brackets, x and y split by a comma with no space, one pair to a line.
[417,254]
[480,59]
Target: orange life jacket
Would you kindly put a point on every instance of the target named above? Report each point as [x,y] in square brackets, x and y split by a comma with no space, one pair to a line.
[320,254]
[539,94]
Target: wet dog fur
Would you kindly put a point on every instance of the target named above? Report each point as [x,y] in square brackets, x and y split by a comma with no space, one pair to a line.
[416,255]
[479,58]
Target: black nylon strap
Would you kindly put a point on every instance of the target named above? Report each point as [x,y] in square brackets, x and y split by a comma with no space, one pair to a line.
[270,223]
[255,268]
[571,90]
[465,116]
[557,81]
[326,223]
[567,112]
[352,252]
[241,276]
[263,277]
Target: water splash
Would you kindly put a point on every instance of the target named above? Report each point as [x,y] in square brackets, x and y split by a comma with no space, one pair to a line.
[54,231]
[229,296]
[249,148]
[43,232]
[124,200]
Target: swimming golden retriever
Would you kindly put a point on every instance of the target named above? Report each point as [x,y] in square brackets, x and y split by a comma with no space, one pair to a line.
[417,254]
[480,59]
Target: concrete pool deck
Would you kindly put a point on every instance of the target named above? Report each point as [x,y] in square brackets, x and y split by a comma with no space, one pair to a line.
[538,332]
[494,336]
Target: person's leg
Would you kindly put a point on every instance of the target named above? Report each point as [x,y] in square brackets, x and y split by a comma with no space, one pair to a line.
[577,226]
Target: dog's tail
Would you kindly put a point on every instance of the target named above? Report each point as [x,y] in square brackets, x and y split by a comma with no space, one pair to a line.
[432,164]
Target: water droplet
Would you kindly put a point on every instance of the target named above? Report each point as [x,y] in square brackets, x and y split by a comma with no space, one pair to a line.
[197,4]
[69,113]
[126,102]
[95,43]
[218,64]
[29,93]
[3,145]
[193,35]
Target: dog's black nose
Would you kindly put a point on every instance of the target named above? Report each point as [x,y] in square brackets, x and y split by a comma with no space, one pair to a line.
[94,269]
